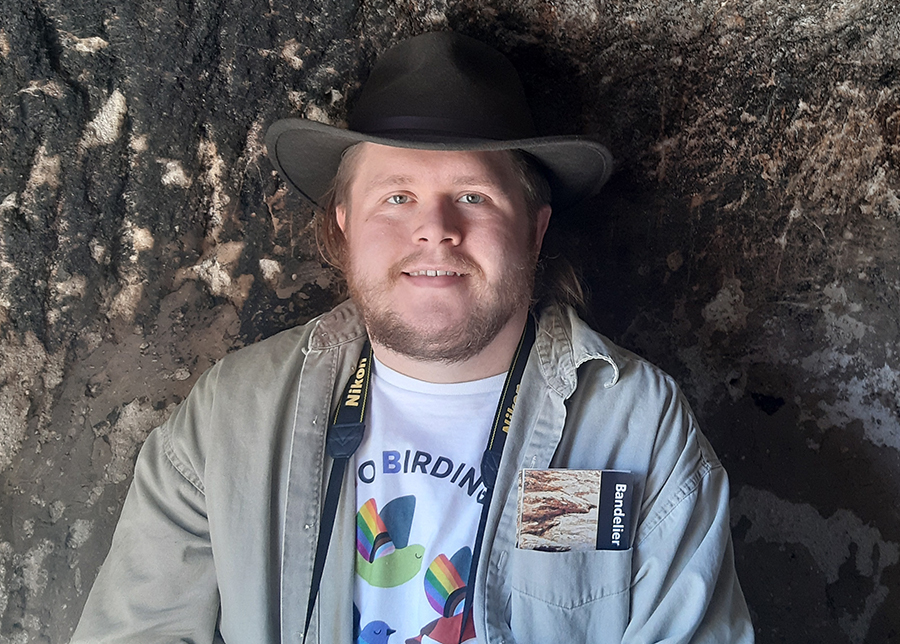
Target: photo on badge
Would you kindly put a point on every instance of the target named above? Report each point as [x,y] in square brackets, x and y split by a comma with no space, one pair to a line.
[562,510]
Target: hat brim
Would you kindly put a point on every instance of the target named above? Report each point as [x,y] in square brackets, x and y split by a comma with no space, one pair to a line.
[307,155]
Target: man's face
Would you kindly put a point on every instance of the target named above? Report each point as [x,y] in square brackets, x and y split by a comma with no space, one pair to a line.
[440,249]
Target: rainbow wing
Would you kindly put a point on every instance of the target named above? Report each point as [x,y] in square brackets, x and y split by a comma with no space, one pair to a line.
[444,587]
[372,538]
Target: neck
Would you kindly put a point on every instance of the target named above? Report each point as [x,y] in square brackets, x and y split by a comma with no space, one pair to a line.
[494,359]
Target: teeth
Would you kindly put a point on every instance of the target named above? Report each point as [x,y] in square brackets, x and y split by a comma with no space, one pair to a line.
[430,273]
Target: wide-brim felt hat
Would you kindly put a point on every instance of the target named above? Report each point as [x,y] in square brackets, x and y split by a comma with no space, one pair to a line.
[438,91]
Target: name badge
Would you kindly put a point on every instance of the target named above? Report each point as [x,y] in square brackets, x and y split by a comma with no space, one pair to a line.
[562,510]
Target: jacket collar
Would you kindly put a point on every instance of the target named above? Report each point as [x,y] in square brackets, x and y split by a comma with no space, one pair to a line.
[564,342]
[340,325]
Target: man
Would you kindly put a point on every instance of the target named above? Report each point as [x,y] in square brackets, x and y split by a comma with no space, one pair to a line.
[246,524]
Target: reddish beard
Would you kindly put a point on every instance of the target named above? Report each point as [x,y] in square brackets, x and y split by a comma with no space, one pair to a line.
[495,304]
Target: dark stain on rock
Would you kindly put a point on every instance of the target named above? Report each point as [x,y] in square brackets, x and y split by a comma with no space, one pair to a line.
[769,404]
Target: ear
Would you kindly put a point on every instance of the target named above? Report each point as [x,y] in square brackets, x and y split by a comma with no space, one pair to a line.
[541,221]
[340,214]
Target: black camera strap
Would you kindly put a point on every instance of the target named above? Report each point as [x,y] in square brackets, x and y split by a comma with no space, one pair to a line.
[345,434]
[490,461]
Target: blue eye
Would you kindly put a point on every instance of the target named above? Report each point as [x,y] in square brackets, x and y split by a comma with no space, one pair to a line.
[471,198]
[397,199]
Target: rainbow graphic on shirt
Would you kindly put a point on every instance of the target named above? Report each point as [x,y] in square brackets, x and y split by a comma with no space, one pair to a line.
[444,587]
[384,556]
[372,538]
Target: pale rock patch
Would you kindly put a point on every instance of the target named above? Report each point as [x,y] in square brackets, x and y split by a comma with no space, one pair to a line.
[106,126]
[726,312]
[89,45]
[174,174]
[270,269]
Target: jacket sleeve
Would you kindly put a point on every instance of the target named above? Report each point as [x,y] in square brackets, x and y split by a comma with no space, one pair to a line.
[685,588]
[158,583]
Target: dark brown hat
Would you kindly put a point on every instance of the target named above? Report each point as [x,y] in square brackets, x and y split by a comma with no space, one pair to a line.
[438,91]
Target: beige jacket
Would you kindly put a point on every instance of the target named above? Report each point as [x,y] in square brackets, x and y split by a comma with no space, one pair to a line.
[217,537]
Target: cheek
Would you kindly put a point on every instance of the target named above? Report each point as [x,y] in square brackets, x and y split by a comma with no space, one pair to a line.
[371,246]
[521,245]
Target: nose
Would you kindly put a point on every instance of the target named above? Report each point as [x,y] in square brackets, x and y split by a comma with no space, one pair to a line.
[438,222]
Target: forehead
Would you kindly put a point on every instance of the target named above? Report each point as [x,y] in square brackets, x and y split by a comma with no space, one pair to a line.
[374,165]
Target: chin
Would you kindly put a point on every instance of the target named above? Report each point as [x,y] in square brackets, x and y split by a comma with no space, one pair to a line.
[434,317]
[435,337]
[434,323]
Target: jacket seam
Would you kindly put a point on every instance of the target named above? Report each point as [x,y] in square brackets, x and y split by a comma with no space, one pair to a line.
[685,491]
[183,470]
[319,480]
[332,344]
[551,376]
[579,604]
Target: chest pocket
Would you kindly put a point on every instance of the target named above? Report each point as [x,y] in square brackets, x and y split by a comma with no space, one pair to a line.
[570,596]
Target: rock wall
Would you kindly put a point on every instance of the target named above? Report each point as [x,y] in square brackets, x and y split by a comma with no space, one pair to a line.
[747,244]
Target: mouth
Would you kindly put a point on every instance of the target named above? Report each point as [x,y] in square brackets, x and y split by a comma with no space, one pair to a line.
[433,273]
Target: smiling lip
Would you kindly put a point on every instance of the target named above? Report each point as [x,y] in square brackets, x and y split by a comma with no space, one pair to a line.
[433,273]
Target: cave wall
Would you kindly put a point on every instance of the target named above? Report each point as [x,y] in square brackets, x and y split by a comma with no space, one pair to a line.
[747,244]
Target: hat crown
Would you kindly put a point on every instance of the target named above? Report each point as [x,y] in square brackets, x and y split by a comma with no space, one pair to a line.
[443,84]
[438,91]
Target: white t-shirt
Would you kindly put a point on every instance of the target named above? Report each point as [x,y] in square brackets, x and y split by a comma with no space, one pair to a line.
[418,487]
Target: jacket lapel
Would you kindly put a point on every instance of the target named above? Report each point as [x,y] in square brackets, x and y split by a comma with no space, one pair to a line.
[325,370]
[336,593]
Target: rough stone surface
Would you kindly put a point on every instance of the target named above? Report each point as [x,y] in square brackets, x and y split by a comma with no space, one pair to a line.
[747,244]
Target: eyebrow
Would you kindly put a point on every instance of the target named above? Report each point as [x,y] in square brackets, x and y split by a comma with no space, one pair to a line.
[390,180]
[475,180]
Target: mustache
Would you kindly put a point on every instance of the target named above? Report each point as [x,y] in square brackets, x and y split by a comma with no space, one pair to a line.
[451,261]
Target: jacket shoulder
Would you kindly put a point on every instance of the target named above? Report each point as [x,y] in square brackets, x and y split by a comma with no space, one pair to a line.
[287,349]
[251,393]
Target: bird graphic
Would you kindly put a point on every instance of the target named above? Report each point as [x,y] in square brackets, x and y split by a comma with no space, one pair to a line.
[376,632]
[445,589]
[384,556]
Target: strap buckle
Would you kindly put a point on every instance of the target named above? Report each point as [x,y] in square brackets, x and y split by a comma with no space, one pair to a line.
[344,439]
